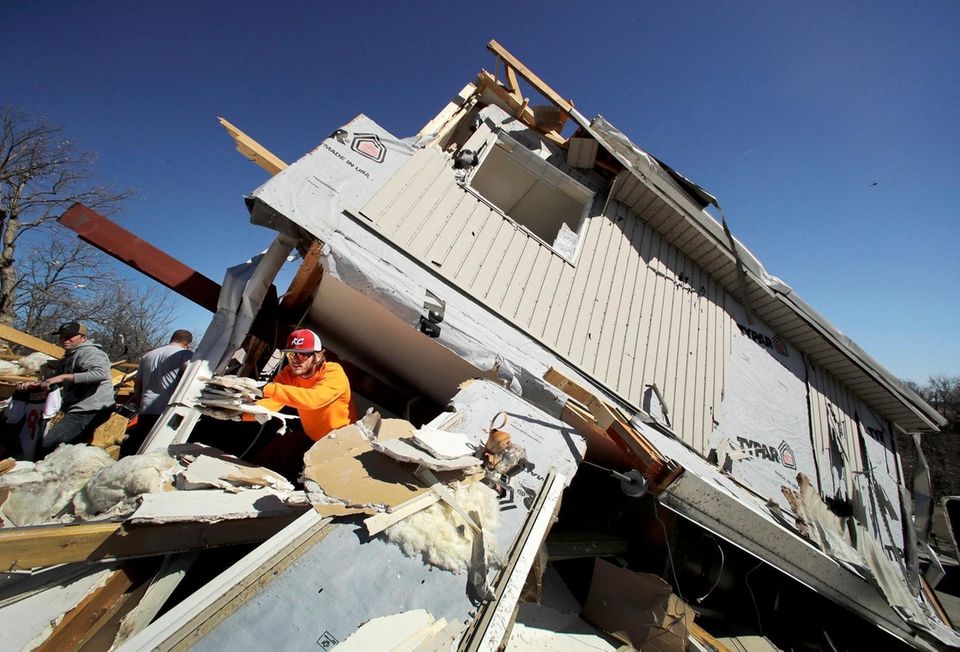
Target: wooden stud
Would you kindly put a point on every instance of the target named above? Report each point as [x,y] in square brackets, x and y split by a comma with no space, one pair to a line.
[253,150]
[541,86]
[48,545]
[29,341]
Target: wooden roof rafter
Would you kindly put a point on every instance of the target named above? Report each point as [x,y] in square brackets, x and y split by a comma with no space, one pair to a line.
[508,91]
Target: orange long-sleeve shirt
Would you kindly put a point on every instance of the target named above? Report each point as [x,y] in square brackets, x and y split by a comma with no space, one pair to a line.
[322,400]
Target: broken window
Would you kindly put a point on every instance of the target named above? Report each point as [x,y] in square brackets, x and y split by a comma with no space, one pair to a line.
[534,194]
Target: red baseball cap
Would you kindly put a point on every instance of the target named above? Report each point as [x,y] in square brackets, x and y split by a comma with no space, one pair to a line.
[303,341]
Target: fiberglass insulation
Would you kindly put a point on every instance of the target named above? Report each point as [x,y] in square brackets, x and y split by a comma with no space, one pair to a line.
[440,536]
[81,480]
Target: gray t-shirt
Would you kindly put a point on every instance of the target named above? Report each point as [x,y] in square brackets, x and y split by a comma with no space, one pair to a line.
[158,374]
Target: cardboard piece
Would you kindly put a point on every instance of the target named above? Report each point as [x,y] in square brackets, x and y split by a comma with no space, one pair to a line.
[637,608]
[347,469]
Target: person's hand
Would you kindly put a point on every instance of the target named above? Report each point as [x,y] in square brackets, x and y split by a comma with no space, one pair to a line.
[21,387]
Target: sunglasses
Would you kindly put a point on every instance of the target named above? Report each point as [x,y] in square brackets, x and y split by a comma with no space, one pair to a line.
[297,355]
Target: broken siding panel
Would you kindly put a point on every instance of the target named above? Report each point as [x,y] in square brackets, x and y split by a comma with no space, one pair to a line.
[570,286]
[569,315]
[491,262]
[679,366]
[505,272]
[604,323]
[595,298]
[430,208]
[460,233]
[525,279]
[427,222]
[643,300]
[692,426]
[555,284]
[465,258]
[533,286]
[622,351]
[383,201]
[433,175]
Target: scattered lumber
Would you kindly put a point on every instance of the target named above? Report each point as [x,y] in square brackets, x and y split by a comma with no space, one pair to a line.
[591,416]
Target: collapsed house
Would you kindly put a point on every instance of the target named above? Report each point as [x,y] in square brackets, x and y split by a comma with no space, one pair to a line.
[683,412]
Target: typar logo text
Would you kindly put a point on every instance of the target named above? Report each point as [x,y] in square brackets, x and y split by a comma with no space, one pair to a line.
[775,343]
[782,454]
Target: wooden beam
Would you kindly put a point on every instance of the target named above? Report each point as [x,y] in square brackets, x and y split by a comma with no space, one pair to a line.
[514,83]
[113,239]
[657,469]
[448,116]
[253,150]
[11,334]
[94,611]
[49,545]
[518,108]
[512,62]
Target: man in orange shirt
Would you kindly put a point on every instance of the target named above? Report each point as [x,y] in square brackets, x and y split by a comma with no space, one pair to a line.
[320,393]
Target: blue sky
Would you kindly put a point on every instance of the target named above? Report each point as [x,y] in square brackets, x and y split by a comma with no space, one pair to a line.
[828,130]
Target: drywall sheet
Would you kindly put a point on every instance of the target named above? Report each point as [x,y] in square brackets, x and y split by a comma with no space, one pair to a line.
[346,580]
[762,422]
[341,174]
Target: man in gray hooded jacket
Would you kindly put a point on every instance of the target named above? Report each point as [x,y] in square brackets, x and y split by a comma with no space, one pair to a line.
[86,388]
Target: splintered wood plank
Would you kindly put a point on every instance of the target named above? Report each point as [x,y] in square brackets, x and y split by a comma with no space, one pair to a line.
[253,150]
[11,334]
[440,124]
[658,470]
[85,620]
[49,545]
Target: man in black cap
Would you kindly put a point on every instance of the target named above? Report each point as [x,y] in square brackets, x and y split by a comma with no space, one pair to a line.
[86,388]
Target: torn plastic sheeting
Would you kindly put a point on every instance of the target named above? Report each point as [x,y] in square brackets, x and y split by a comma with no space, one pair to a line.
[830,532]
[342,173]
[722,506]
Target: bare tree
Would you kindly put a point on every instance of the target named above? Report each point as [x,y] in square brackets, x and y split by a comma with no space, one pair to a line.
[132,320]
[41,174]
[66,279]
[61,280]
